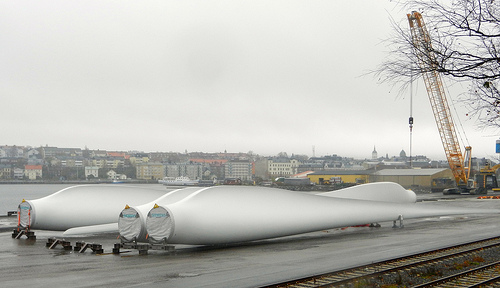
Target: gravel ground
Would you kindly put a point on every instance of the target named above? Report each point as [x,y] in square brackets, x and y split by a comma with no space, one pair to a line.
[421,275]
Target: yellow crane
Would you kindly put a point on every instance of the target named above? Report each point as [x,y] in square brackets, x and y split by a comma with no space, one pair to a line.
[459,164]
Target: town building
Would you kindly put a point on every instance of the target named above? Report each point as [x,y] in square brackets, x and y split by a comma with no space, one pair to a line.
[112,175]
[97,153]
[58,152]
[5,172]
[66,161]
[92,172]
[139,158]
[240,169]
[121,155]
[341,176]
[212,168]
[150,171]
[411,177]
[113,162]
[11,151]
[192,170]
[18,173]
[32,172]
[282,167]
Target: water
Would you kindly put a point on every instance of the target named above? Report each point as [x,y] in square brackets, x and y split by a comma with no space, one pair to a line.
[12,195]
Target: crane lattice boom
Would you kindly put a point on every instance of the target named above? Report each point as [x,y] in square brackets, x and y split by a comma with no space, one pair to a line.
[435,90]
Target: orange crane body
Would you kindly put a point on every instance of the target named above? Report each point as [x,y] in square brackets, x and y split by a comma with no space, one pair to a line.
[435,90]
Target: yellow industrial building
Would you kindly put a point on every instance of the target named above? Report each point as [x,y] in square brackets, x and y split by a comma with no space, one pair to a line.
[411,177]
[405,177]
[345,176]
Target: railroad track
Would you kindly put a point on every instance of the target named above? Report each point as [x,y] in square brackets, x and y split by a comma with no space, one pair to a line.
[473,264]
[484,276]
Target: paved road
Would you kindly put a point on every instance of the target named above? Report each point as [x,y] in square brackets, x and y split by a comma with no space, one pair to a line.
[249,265]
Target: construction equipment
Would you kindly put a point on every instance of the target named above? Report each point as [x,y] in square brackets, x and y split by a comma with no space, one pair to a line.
[486,179]
[459,164]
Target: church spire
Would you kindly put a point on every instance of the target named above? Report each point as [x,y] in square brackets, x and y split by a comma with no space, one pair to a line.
[374,153]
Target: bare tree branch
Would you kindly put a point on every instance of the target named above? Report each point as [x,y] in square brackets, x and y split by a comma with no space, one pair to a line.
[465,37]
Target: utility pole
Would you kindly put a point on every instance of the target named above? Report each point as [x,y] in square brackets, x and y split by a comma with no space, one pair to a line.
[410,121]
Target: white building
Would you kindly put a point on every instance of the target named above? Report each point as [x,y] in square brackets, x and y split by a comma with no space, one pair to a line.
[282,167]
[112,175]
[191,170]
[91,170]
[18,173]
[33,172]
[242,169]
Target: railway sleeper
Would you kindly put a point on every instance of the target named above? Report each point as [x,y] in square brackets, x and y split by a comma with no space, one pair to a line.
[395,274]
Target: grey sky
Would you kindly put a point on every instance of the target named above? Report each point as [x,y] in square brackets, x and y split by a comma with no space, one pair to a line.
[266,76]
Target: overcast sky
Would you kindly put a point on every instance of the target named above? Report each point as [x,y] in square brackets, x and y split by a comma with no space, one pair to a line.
[262,76]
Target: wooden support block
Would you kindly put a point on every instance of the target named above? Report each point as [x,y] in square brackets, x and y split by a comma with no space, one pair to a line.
[84,247]
[21,233]
[78,245]
[31,235]
[53,244]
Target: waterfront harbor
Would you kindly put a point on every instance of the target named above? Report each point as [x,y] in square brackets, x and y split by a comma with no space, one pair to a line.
[253,264]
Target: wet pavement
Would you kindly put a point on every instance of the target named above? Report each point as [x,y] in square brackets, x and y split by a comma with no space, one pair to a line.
[246,265]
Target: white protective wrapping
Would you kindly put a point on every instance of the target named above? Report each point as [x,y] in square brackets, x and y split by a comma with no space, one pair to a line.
[229,214]
[136,230]
[84,205]
[160,225]
[24,215]
[128,224]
